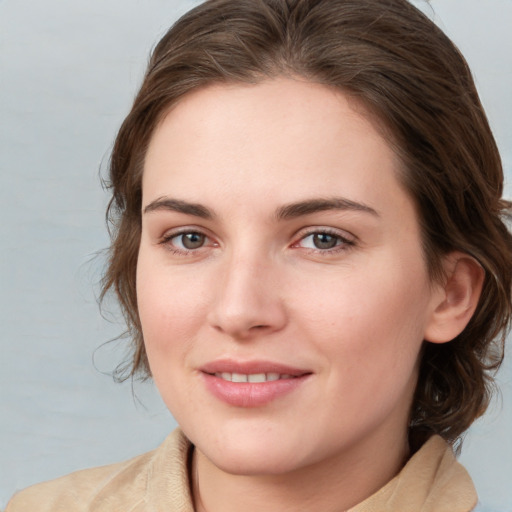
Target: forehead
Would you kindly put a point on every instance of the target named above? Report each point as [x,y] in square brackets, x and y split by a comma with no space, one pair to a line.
[282,139]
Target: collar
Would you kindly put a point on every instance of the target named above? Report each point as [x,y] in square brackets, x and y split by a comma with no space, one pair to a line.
[431,481]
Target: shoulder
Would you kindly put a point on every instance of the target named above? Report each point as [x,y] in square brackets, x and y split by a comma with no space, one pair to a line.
[431,481]
[76,491]
[122,486]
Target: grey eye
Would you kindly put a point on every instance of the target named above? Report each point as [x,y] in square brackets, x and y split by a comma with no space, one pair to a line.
[191,240]
[324,240]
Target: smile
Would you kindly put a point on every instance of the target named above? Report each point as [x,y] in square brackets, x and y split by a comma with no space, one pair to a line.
[252,377]
[250,384]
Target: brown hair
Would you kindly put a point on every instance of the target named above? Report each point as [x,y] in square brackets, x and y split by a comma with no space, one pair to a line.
[394,60]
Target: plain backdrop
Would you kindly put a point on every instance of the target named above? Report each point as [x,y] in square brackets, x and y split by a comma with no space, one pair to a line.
[68,72]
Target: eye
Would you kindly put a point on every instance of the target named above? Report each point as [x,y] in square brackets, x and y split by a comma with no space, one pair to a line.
[186,241]
[190,241]
[325,241]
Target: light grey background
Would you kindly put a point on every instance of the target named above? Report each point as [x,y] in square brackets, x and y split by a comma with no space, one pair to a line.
[68,72]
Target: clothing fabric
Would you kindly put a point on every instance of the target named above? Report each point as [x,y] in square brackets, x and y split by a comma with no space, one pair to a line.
[158,481]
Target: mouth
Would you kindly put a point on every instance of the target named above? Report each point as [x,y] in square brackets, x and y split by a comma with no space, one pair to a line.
[251,384]
[253,377]
[251,371]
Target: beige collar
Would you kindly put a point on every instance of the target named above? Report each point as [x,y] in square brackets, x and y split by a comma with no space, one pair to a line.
[431,481]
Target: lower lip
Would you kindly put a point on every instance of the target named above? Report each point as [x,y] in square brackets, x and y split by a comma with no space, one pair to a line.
[251,394]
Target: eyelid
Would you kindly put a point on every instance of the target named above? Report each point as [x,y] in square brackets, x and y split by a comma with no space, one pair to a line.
[347,239]
[168,235]
[311,230]
[185,228]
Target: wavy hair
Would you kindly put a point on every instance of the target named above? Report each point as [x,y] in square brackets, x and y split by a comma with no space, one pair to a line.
[417,85]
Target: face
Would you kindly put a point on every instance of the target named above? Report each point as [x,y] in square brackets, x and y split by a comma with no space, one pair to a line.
[282,290]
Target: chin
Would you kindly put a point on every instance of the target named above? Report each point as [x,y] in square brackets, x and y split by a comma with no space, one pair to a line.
[253,463]
[262,453]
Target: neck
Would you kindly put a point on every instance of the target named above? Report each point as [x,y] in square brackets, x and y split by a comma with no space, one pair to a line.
[332,485]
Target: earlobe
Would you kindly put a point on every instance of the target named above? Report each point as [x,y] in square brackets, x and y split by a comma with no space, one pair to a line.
[457,298]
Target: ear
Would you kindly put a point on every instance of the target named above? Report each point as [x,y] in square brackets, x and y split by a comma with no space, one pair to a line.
[456,298]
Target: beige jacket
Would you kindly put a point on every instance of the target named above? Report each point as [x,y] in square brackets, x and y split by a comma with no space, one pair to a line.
[432,481]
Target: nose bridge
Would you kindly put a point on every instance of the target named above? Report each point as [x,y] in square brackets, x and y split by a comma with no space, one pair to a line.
[248,297]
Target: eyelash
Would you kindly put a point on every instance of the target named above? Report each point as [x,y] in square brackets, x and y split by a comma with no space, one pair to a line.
[342,242]
[167,241]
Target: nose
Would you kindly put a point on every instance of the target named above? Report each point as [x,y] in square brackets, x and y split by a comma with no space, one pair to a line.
[248,300]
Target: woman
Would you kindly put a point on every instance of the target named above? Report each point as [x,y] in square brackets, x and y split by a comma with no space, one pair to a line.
[310,252]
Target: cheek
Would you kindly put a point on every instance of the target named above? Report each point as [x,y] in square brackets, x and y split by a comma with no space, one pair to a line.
[370,345]
[168,308]
[375,304]
[168,315]
[370,324]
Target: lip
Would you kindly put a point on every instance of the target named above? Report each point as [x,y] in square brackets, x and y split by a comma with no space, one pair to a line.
[251,394]
[232,366]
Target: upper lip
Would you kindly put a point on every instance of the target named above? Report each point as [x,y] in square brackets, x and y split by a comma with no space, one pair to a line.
[251,367]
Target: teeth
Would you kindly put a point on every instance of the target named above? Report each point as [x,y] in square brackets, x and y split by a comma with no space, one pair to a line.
[256,377]
[252,377]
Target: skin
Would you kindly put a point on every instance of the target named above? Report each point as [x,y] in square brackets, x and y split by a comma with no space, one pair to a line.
[255,286]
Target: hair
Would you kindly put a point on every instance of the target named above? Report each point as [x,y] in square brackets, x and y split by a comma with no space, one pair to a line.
[413,80]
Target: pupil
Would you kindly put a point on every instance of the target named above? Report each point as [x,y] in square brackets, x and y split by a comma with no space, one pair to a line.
[192,240]
[324,241]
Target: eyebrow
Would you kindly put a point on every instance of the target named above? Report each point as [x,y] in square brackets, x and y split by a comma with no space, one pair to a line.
[286,212]
[176,205]
[310,206]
